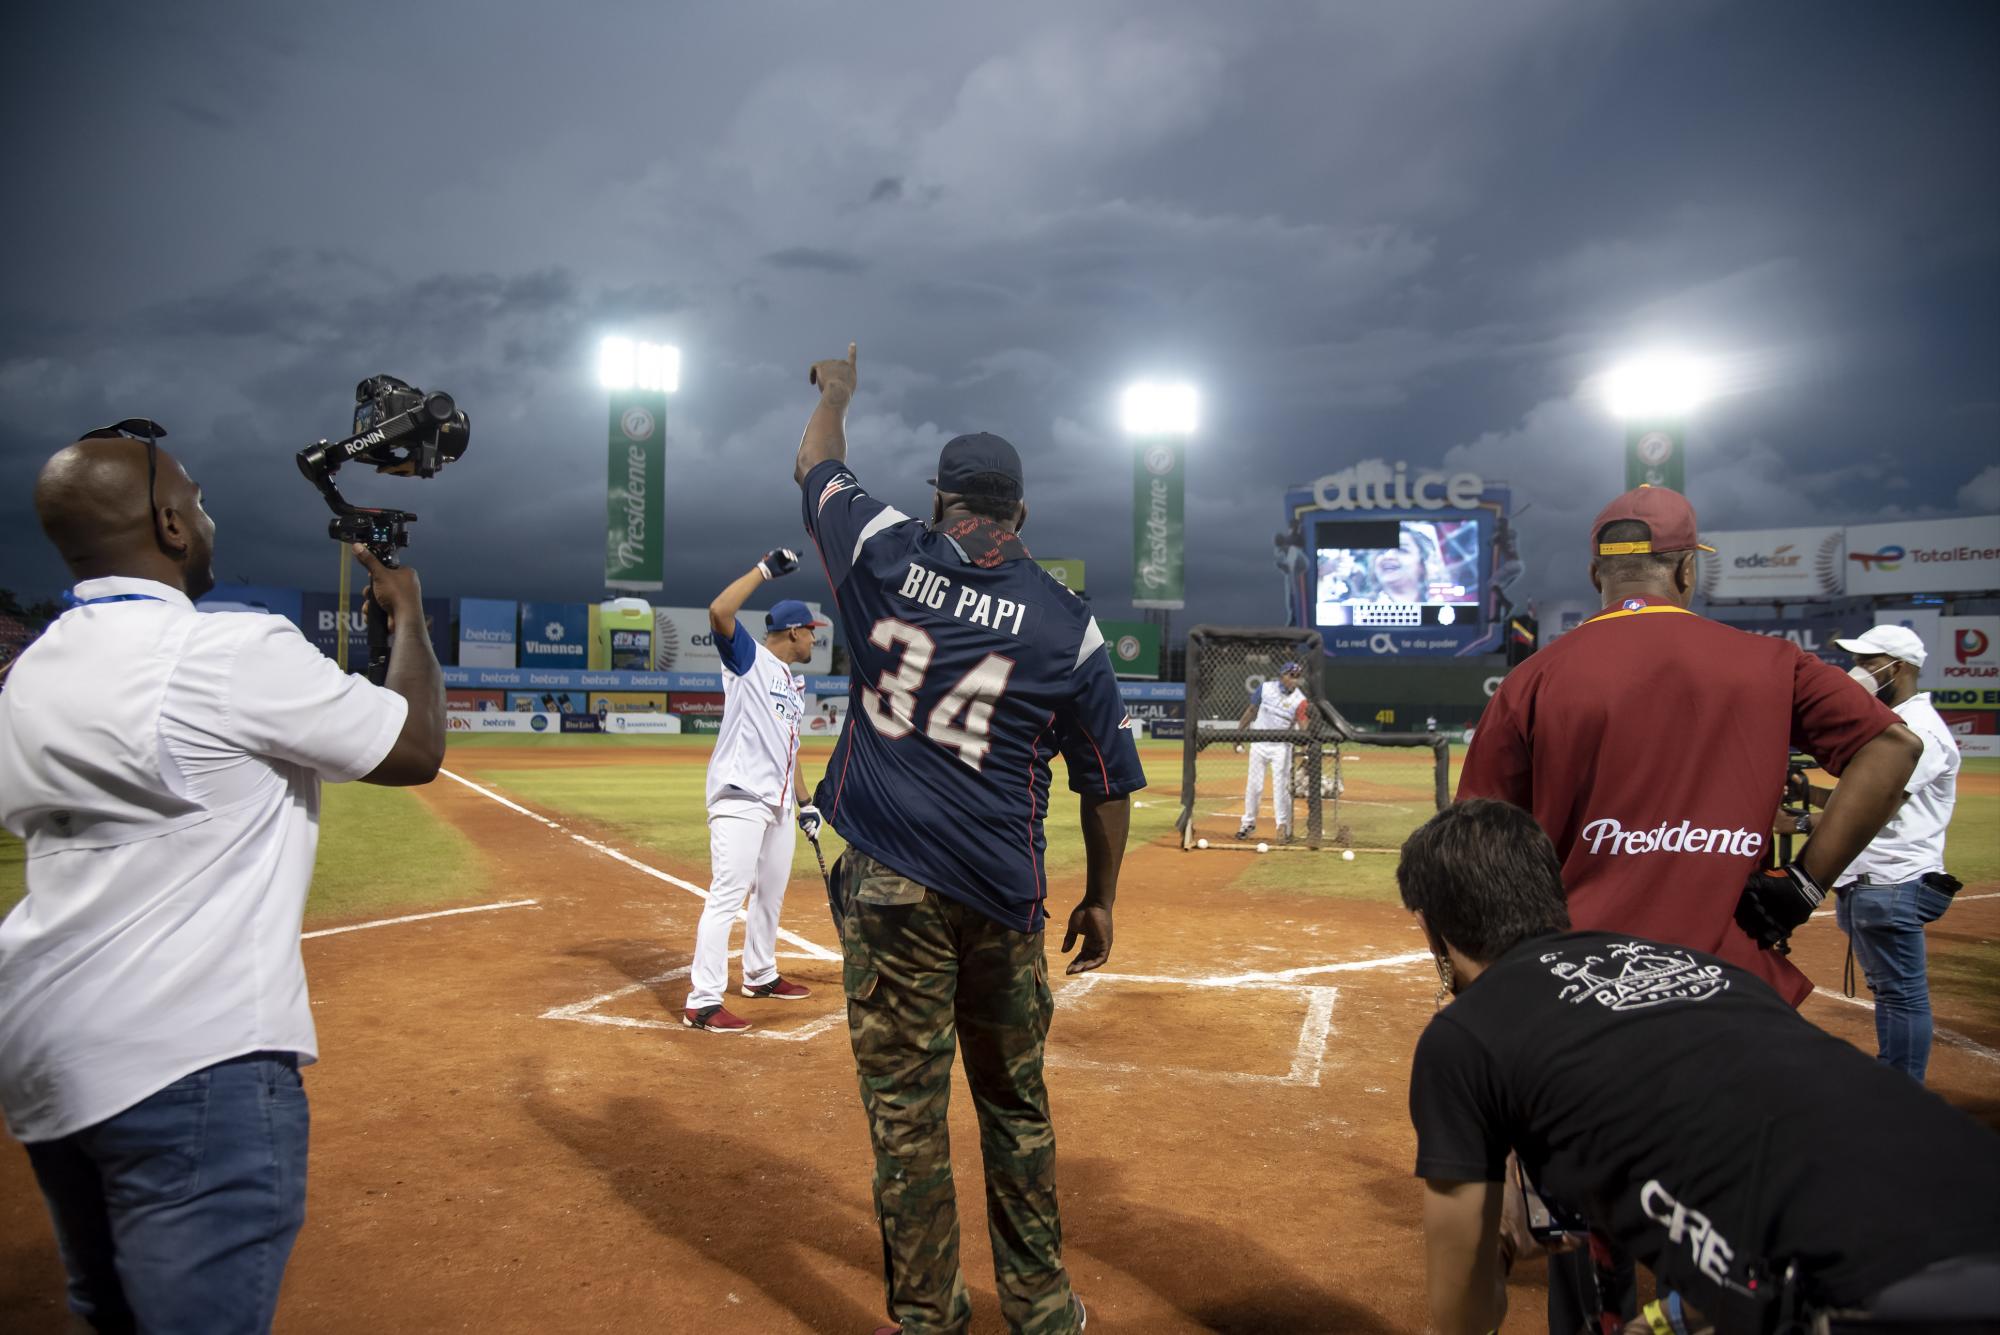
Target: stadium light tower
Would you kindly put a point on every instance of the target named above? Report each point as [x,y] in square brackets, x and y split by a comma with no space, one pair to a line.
[1654,395]
[638,376]
[1159,417]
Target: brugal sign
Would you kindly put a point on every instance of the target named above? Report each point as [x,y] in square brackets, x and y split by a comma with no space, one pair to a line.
[1375,485]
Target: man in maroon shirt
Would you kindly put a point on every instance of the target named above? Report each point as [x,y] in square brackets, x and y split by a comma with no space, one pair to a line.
[1650,743]
[1651,746]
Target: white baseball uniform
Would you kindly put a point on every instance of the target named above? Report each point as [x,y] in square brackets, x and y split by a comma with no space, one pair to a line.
[750,805]
[1276,708]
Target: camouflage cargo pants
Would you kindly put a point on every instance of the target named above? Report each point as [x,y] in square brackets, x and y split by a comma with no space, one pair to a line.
[923,974]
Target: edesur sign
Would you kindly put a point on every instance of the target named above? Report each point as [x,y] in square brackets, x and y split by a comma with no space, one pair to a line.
[1763,565]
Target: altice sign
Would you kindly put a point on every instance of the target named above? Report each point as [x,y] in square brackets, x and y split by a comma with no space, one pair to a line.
[1376,485]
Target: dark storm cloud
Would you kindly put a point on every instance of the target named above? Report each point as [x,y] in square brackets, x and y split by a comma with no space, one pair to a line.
[1406,232]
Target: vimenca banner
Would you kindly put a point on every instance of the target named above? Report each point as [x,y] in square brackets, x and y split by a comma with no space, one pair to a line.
[555,635]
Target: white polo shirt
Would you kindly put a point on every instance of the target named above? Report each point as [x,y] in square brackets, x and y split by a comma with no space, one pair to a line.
[163,767]
[1912,843]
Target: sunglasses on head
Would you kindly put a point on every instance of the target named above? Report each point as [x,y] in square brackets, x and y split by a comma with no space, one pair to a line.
[137,428]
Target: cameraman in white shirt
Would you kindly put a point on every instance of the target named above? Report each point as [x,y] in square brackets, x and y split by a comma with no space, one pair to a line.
[1899,883]
[163,768]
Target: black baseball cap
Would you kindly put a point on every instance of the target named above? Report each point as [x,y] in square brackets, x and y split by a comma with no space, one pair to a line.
[981,464]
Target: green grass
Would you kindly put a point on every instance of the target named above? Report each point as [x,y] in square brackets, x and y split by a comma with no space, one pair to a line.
[380,852]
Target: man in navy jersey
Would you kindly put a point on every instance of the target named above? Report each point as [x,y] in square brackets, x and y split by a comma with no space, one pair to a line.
[971,669]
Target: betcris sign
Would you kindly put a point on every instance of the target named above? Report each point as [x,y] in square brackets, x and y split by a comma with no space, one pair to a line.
[1924,556]
[555,635]
[486,632]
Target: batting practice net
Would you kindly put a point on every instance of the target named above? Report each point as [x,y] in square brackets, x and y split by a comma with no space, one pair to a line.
[1325,782]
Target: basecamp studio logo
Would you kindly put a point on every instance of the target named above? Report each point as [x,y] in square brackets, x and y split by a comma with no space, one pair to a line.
[637,424]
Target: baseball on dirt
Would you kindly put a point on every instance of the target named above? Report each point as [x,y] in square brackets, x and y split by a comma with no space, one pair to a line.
[1347,855]
[1201,843]
[1263,848]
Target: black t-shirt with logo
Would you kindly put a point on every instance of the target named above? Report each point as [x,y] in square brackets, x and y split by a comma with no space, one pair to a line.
[1679,1104]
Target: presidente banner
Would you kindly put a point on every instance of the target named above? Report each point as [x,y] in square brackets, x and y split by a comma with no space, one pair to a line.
[486,632]
[1655,455]
[1763,565]
[636,480]
[555,635]
[683,642]
[1159,559]
[1134,646]
[1924,556]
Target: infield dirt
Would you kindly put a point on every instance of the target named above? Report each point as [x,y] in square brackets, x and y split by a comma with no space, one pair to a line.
[1225,1162]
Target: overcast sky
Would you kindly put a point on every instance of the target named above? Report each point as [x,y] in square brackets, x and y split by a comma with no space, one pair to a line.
[1401,230]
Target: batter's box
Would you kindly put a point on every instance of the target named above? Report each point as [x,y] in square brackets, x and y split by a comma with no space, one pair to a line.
[605,1010]
[1121,1020]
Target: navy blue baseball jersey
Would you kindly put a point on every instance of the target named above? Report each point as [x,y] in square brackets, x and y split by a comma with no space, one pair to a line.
[971,667]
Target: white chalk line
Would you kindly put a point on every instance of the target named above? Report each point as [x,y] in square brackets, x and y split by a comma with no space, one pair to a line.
[417,917]
[812,948]
[584,1012]
[1949,1037]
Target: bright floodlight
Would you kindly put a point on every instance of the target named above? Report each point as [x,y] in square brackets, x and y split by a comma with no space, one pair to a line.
[1154,408]
[1666,385]
[623,363]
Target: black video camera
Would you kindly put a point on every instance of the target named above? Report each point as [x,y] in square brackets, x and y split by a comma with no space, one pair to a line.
[401,430]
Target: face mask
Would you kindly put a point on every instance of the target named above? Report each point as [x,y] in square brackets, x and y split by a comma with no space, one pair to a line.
[1870,683]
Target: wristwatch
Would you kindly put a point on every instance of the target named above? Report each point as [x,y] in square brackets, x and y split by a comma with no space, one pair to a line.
[1803,822]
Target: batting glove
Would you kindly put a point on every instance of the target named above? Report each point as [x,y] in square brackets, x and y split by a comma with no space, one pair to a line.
[809,821]
[778,561]
[1775,901]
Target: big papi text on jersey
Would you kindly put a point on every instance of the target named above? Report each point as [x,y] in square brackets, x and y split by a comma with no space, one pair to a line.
[971,668]
[1650,744]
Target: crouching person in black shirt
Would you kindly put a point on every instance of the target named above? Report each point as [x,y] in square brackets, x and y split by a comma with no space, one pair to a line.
[1766,1171]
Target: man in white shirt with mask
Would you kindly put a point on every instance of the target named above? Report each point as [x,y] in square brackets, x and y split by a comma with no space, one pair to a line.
[1899,882]
[163,767]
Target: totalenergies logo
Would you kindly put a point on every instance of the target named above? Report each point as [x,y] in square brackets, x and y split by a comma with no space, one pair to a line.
[1888,558]
[1969,644]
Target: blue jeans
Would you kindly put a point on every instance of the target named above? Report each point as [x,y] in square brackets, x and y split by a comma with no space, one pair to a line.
[1886,925]
[178,1214]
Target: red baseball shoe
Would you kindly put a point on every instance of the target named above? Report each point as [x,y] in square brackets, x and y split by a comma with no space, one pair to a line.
[778,989]
[715,1020]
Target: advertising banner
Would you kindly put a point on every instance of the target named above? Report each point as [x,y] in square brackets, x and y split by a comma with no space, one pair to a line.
[548,702]
[1763,565]
[708,726]
[1815,635]
[628,702]
[632,724]
[1067,570]
[1966,654]
[707,704]
[463,698]
[581,723]
[1655,455]
[555,635]
[1159,477]
[1924,556]
[1134,646]
[684,642]
[636,477]
[459,720]
[486,632]
[320,620]
[254,598]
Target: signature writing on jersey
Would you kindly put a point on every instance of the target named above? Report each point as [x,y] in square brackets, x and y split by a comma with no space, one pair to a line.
[928,588]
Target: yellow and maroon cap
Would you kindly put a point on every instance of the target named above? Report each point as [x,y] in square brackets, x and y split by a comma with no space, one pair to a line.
[1668,517]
